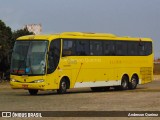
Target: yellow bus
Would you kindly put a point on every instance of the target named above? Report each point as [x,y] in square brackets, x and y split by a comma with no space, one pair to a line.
[77,59]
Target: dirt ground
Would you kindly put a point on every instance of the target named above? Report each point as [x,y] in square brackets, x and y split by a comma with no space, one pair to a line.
[144,98]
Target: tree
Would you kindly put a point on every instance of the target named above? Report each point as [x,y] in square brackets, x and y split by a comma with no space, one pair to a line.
[5,45]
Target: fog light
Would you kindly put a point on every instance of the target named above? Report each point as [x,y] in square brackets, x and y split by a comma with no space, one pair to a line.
[13,80]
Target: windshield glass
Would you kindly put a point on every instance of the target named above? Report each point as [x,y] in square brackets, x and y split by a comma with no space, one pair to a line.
[29,57]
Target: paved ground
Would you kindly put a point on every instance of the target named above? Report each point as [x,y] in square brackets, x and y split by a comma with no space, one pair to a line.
[144,98]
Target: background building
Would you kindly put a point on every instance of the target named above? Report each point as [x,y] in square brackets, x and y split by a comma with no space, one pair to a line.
[35,28]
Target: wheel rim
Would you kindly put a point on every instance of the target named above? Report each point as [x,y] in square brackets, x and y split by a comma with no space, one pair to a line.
[134,82]
[63,85]
[124,84]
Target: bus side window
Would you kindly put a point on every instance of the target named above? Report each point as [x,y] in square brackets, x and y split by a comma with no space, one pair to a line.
[95,47]
[132,48]
[141,49]
[109,48]
[148,48]
[121,48]
[68,47]
[82,47]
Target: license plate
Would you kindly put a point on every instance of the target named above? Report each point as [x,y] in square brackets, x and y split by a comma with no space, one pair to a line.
[25,86]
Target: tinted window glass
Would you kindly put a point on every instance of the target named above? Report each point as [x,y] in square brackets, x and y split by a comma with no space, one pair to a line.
[95,48]
[82,47]
[148,48]
[68,47]
[121,48]
[141,49]
[132,48]
[109,48]
[54,55]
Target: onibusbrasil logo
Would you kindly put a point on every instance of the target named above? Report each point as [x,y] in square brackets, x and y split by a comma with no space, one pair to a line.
[21,114]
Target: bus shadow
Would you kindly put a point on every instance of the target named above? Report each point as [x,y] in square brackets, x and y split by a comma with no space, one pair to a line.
[82,91]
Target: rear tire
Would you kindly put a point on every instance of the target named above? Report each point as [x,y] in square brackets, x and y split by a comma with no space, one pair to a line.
[62,86]
[124,84]
[33,92]
[133,83]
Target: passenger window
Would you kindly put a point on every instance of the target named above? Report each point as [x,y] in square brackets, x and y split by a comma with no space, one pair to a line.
[109,48]
[82,47]
[148,48]
[68,47]
[141,49]
[121,48]
[96,48]
[132,48]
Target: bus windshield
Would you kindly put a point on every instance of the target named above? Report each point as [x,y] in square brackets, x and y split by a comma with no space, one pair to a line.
[29,58]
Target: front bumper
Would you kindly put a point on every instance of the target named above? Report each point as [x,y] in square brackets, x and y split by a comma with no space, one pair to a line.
[19,85]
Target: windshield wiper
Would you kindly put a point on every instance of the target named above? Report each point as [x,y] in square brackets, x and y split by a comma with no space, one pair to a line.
[22,62]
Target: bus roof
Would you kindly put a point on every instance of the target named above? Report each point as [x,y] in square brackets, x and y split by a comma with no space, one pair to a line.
[82,35]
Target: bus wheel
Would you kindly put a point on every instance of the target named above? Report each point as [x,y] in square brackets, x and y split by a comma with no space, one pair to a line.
[133,83]
[62,87]
[33,92]
[124,83]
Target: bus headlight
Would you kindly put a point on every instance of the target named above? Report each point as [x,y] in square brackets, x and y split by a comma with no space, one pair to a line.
[39,81]
[13,80]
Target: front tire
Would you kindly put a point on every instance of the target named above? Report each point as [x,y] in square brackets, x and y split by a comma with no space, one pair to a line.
[62,87]
[33,92]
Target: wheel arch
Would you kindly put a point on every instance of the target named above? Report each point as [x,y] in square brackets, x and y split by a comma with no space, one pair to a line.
[126,75]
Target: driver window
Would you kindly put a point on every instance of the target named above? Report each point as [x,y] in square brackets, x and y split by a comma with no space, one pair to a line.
[54,55]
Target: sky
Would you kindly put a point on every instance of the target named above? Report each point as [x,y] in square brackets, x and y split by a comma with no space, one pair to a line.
[135,18]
